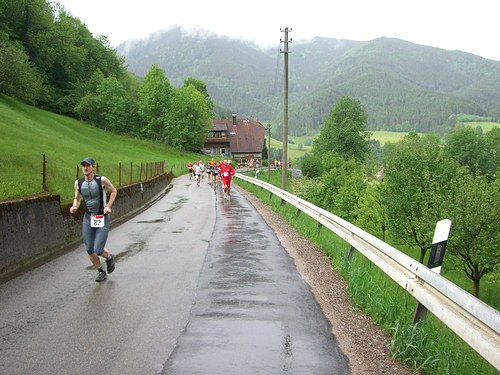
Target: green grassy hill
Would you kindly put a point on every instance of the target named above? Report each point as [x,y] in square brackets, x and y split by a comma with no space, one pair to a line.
[28,132]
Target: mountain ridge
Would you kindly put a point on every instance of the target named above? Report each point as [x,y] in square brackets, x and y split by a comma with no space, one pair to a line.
[403,86]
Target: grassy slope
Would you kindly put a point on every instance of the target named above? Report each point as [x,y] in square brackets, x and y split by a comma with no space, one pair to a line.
[27,132]
[292,150]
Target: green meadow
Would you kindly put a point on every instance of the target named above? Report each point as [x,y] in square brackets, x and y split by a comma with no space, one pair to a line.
[385,136]
[28,133]
[299,146]
[485,126]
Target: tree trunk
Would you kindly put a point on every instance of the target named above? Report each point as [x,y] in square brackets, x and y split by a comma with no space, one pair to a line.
[475,287]
[422,255]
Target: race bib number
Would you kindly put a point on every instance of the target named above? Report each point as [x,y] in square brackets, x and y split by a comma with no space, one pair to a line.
[97,221]
[226,174]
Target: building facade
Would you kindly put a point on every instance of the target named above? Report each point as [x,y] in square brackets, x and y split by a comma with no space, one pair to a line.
[235,138]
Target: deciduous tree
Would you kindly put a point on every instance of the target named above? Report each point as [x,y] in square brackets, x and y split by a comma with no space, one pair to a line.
[155,97]
[417,178]
[472,149]
[371,214]
[201,87]
[188,120]
[473,206]
[344,131]
[18,77]
[112,105]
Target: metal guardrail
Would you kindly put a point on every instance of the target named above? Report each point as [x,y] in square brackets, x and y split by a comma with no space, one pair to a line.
[477,323]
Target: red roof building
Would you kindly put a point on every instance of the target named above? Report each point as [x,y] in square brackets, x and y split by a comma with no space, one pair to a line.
[236,138]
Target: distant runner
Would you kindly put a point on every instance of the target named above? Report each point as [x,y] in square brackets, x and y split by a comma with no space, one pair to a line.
[216,174]
[227,172]
[197,169]
[210,170]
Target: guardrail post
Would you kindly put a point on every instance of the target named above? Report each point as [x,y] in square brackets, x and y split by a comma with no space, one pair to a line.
[351,252]
[439,241]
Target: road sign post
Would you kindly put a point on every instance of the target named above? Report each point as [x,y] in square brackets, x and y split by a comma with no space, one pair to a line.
[435,262]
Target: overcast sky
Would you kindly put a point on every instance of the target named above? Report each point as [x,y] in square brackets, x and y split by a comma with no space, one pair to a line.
[470,26]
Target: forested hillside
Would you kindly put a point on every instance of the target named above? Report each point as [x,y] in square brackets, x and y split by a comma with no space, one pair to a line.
[47,56]
[404,86]
[50,59]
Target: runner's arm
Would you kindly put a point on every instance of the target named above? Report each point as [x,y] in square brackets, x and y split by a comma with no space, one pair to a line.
[76,200]
[112,196]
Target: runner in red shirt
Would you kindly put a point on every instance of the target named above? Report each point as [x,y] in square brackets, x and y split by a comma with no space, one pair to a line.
[226,172]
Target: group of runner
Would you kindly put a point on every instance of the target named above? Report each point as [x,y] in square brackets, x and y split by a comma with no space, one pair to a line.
[214,171]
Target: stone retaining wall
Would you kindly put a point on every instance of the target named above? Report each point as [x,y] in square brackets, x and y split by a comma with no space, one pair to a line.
[33,229]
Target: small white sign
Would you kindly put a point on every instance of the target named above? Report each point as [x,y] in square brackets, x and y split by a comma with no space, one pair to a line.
[97,221]
[442,231]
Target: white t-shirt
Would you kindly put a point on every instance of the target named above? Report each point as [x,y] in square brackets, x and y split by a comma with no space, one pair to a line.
[197,169]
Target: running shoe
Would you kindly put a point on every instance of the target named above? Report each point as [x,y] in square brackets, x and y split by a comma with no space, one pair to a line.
[110,263]
[102,276]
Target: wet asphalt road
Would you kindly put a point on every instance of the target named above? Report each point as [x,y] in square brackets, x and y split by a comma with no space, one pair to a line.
[200,287]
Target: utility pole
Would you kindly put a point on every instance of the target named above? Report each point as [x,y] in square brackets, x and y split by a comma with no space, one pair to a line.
[269,152]
[284,159]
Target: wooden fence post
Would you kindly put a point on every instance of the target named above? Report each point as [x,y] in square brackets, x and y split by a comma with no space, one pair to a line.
[44,173]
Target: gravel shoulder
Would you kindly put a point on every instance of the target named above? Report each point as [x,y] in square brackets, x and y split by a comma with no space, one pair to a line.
[365,344]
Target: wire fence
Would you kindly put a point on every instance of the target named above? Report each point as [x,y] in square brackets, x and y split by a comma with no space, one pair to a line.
[129,173]
[58,179]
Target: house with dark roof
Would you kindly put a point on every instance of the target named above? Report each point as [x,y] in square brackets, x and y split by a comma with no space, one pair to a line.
[236,138]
